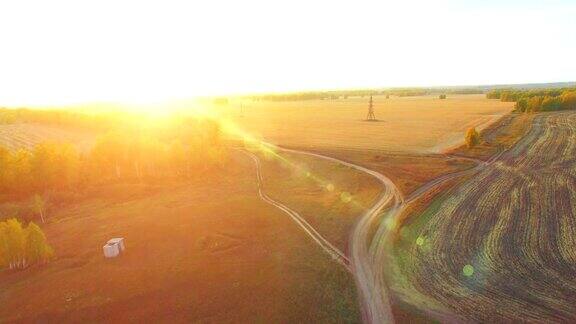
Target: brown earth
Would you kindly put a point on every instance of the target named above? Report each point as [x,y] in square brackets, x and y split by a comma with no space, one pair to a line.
[499,246]
[207,251]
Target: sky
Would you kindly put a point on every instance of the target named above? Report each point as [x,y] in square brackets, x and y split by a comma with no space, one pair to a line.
[65,52]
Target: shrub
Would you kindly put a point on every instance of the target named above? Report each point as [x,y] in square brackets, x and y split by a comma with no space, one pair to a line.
[551,104]
[472,137]
[21,247]
[442,96]
[568,100]
[521,105]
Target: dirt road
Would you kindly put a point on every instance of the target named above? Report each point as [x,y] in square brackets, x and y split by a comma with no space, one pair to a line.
[298,219]
[365,249]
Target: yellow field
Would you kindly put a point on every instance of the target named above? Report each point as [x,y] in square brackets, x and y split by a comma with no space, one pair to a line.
[410,124]
[15,136]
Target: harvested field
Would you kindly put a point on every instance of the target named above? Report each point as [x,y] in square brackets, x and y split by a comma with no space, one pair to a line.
[501,135]
[407,124]
[501,246]
[15,136]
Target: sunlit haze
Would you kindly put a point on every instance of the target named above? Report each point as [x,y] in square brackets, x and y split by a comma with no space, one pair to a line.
[66,52]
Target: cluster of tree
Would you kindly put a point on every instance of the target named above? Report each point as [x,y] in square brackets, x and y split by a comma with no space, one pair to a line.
[565,101]
[184,149]
[537,99]
[442,96]
[65,118]
[49,166]
[472,137]
[512,95]
[21,246]
[143,155]
[408,92]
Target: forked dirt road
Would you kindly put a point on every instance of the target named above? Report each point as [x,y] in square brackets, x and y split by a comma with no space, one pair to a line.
[370,283]
[368,254]
[371,286]
[300,221]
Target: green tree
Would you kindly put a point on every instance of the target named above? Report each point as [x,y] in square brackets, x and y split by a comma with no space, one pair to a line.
[534,104]
[43,165]
[4,246]
[39,207]
[521,105]
[109,152]
[4,165]
[551,104]
[21,247]
[19,172]
[67,166]
[472,137]
[37,249]
[568,100]
[14,239]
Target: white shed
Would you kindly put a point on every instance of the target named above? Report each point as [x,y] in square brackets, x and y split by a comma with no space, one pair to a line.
[113,247]
[119,241]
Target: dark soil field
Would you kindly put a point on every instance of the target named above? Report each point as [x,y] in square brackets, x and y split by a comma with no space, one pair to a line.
[499,246]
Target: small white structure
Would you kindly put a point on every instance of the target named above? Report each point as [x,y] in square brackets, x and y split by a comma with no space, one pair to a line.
[114,247]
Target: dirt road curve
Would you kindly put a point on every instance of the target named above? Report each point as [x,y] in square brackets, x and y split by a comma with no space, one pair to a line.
[367,254]
[317,237]
[502,246]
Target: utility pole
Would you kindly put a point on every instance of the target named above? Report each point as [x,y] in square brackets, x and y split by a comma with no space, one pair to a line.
[371,116]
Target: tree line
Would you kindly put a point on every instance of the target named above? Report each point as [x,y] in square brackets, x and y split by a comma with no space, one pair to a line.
[537,99]
[65,118]
[21,246]
[183,149]
[343,94]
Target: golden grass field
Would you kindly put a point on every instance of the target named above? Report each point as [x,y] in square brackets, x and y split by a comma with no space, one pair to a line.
[423,124]
[212,245]
[204,251]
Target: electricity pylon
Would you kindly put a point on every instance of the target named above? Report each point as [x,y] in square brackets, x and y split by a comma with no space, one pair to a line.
[371,116]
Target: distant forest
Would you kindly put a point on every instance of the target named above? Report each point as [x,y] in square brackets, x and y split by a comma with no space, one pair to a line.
[64,118]
[534,100]
[128,149]
[493,90]
[344,94]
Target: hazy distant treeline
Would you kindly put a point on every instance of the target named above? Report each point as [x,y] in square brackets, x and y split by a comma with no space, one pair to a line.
[68,118]
[183,148]
[343,94]
[537,99]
